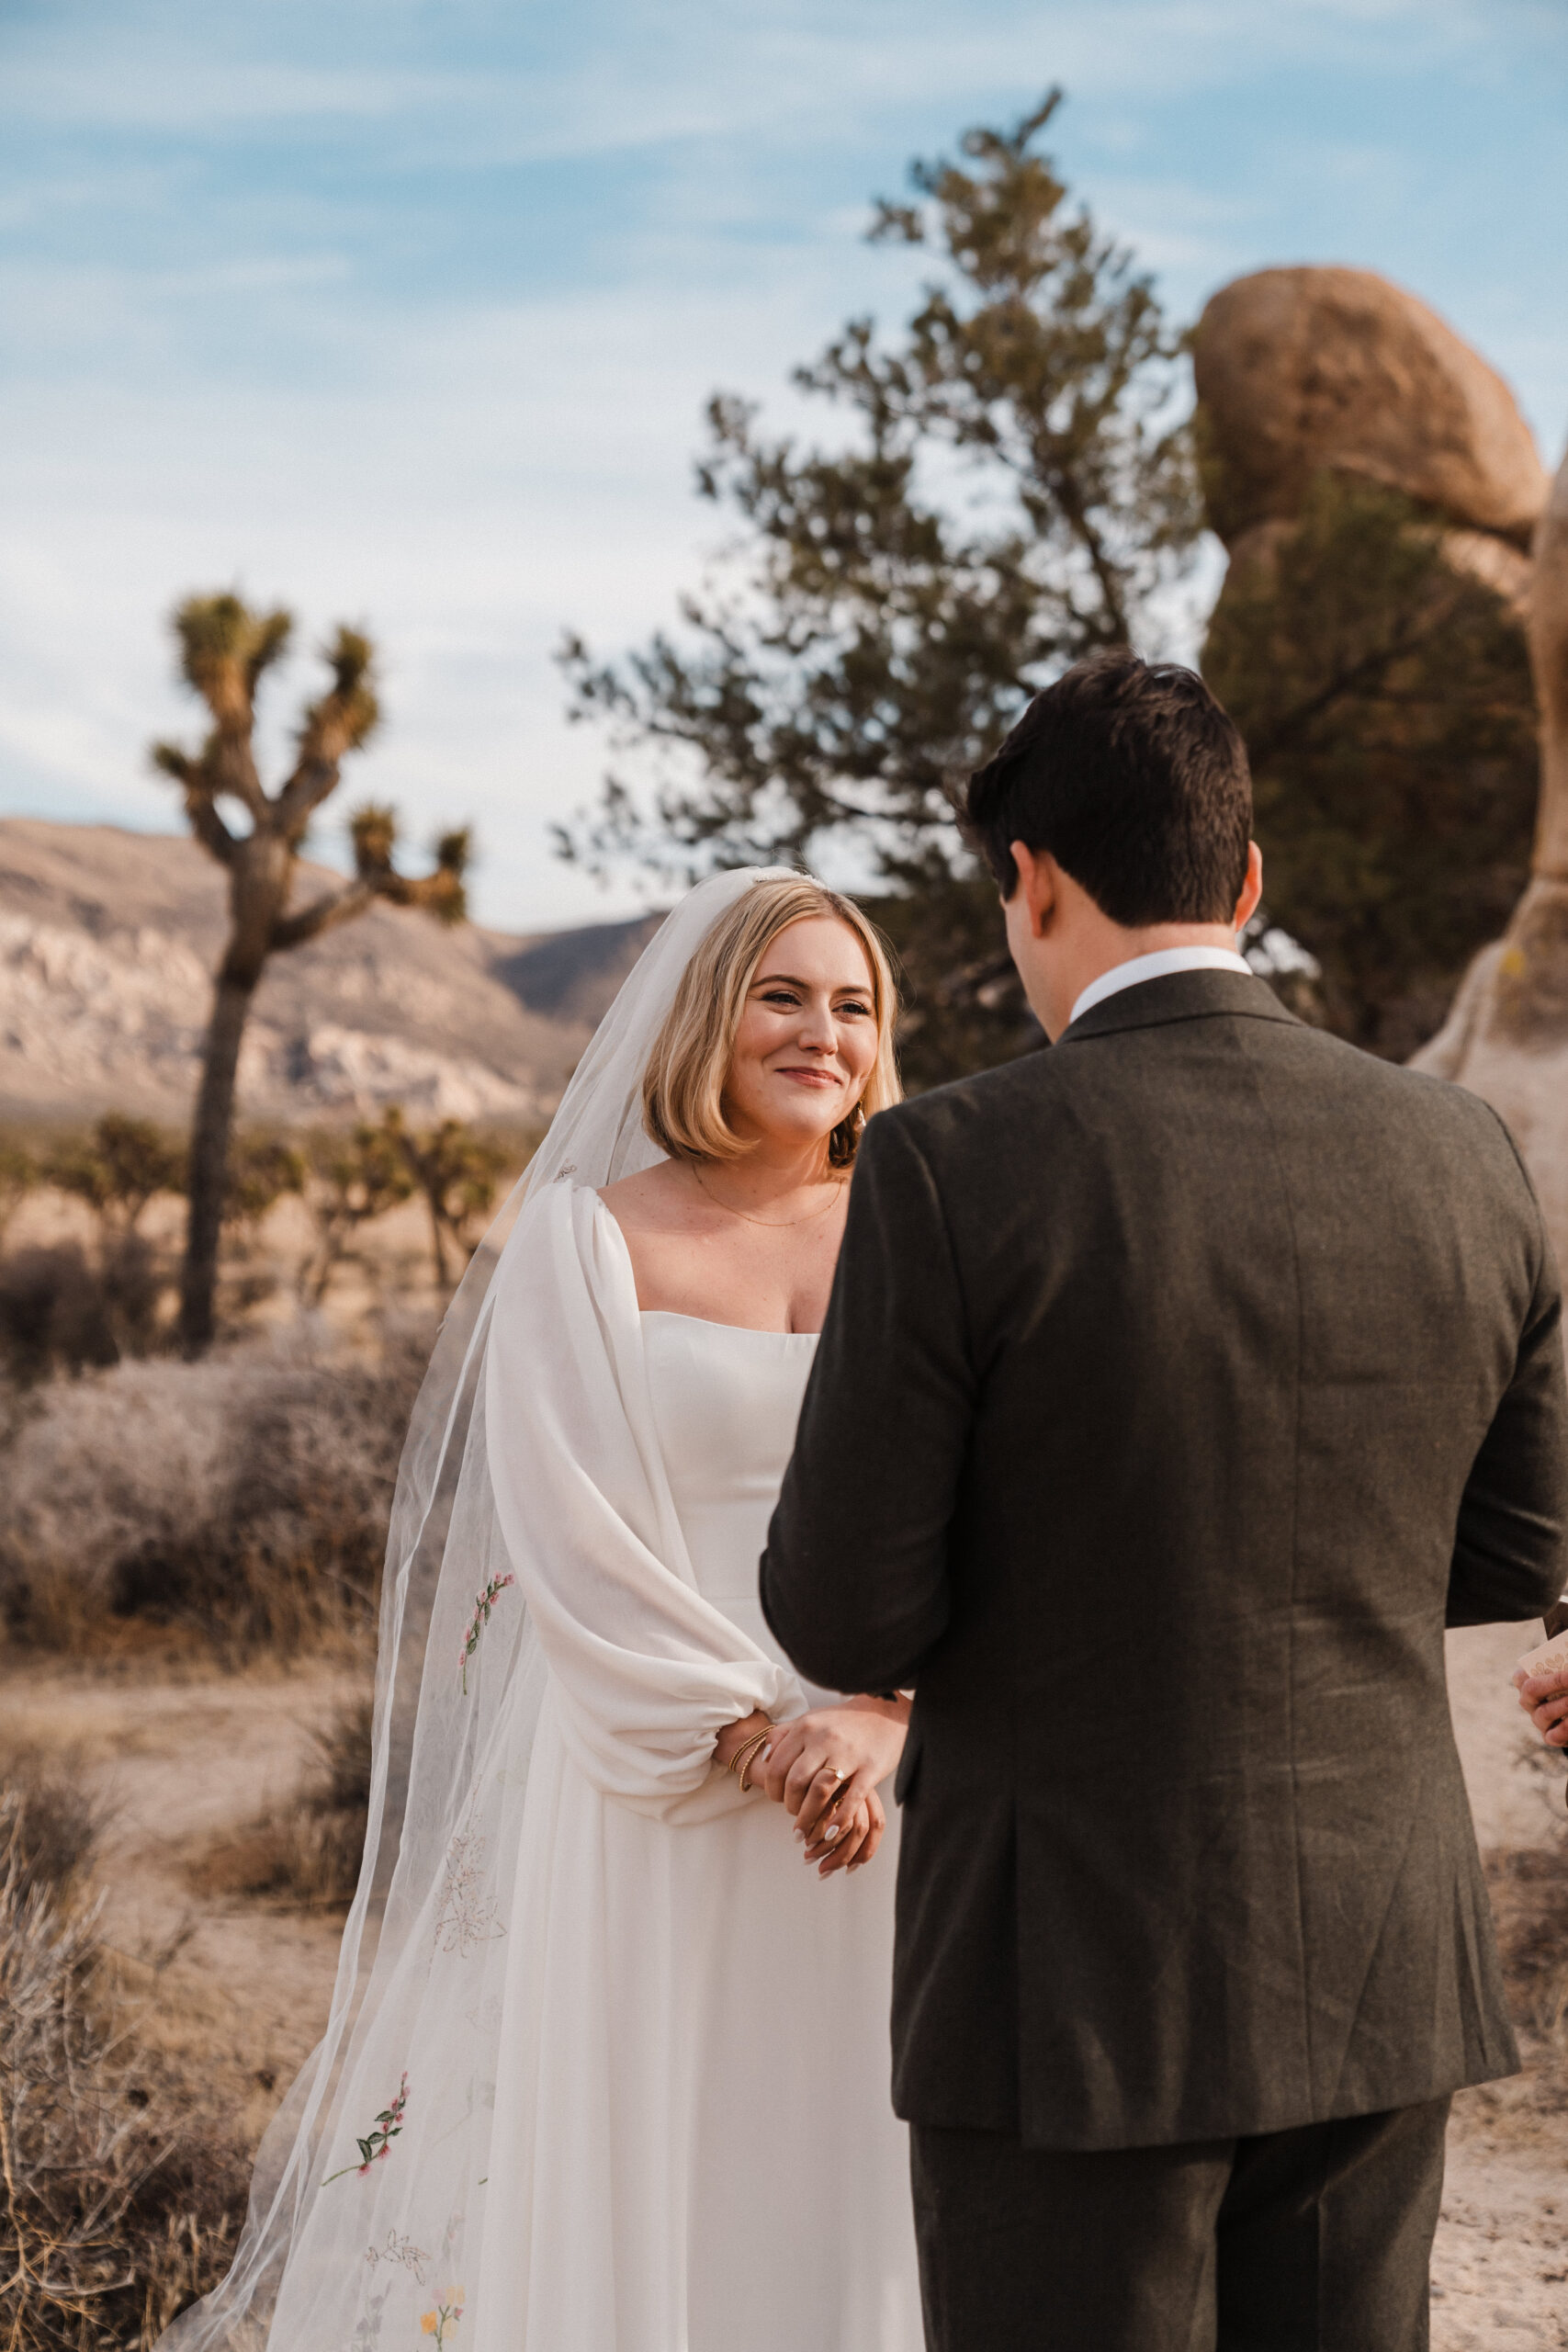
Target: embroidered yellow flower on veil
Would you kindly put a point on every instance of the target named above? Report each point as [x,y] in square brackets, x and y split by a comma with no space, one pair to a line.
[440,2322]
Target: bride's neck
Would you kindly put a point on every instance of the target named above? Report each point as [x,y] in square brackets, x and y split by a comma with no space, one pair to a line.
[773,1169]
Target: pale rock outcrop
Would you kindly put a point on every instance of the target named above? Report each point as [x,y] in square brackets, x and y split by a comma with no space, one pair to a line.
[1299,369]
[107,944]
[1507,1037]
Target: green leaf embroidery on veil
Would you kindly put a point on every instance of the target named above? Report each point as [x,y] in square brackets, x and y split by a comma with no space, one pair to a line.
[378,2139]
[481,1619]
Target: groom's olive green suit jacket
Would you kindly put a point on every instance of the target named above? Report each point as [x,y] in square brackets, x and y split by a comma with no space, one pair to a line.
[1180,1384]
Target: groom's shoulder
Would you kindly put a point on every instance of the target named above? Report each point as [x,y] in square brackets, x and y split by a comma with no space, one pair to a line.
[1060,1091]
[1405,1097]
[970,1111]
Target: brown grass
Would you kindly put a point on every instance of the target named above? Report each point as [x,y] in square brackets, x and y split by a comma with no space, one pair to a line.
[306,1854]
[49,1827]
[120,2195]
[1528,1886]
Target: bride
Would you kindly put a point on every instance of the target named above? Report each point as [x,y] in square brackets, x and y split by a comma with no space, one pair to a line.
[607,2068]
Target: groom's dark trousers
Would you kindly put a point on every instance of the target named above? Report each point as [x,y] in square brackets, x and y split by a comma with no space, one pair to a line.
[1179,1385]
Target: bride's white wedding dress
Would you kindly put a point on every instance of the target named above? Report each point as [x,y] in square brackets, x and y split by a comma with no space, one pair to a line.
[693,2136]
[607,2068]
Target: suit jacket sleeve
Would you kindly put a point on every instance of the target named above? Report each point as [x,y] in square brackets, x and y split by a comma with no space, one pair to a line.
[854,1580]
[1511,1550]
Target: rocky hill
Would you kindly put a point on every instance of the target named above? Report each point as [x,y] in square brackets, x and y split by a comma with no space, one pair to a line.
[108,943]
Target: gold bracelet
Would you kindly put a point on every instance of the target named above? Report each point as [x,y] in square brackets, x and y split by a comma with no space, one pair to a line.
[739,1763]
[746,1751]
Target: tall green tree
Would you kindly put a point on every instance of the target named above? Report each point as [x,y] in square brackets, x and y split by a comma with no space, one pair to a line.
[1016,489]
[226,649]
[1386,702]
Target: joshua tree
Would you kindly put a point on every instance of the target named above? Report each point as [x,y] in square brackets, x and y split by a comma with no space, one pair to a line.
[127,1161]
[456,1170]
[225,650]
[19,1174]
[356,1178]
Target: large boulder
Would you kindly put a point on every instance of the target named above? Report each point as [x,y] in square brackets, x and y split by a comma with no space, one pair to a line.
[1300,369]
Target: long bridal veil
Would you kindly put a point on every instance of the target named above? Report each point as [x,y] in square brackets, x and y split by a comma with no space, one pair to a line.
[460,1679]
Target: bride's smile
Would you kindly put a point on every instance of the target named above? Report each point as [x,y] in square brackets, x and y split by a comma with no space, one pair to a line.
[806,1039]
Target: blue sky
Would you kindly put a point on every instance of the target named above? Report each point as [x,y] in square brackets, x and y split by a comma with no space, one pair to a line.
[405,311]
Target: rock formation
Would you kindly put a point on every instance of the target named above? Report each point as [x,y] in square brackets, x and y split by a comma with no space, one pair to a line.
[1507,1037]
[1304,367]
[1303,370]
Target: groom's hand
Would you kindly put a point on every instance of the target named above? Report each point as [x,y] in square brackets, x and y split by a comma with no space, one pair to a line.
[824,1768]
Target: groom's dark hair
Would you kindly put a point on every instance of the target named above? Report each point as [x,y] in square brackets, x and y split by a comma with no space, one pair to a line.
[1135,780]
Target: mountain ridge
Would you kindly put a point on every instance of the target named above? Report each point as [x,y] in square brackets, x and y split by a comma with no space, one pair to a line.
[109,939]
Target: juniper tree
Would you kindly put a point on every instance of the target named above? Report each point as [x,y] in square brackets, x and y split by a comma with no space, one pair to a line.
[1016,490]
[1386,703]
[225,652]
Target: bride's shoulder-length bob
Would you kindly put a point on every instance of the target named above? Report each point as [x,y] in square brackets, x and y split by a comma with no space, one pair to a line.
[683,1087]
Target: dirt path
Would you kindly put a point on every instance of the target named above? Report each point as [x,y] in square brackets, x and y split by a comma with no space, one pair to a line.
[1500,2265]
[228,1990]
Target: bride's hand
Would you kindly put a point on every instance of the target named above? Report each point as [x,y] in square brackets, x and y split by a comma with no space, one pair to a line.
[857,1839]
[824,1764]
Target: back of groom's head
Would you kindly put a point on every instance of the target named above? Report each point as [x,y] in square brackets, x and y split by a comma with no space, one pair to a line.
[1135,780]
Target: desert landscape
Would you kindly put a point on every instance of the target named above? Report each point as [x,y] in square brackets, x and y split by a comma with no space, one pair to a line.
[197,1466]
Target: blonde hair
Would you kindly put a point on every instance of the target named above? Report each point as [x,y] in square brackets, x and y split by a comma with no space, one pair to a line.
[683,1087]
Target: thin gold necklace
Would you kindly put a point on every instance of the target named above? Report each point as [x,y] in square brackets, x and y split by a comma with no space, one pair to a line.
[769,1225]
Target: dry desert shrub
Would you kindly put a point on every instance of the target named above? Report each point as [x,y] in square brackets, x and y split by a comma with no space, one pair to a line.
[306,1853]
[62,1311]
[236,1504]
[118,2207]
[49,1826]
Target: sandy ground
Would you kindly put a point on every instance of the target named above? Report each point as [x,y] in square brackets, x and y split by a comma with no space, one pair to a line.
[242,1990]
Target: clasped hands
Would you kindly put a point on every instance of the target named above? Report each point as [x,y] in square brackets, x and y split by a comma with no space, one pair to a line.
[824,1768]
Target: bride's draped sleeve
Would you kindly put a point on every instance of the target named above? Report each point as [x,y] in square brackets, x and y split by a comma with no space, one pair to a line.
[645,1672]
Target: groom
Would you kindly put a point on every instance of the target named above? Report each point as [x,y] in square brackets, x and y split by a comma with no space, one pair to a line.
[1179,1385]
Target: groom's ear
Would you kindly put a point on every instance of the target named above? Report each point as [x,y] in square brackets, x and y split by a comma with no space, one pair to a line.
[1036,888]
[1251,889]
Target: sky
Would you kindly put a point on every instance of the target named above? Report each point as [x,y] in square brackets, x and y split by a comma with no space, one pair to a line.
[405,312]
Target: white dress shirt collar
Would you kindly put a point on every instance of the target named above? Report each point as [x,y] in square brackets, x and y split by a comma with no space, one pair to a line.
[1155,967]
